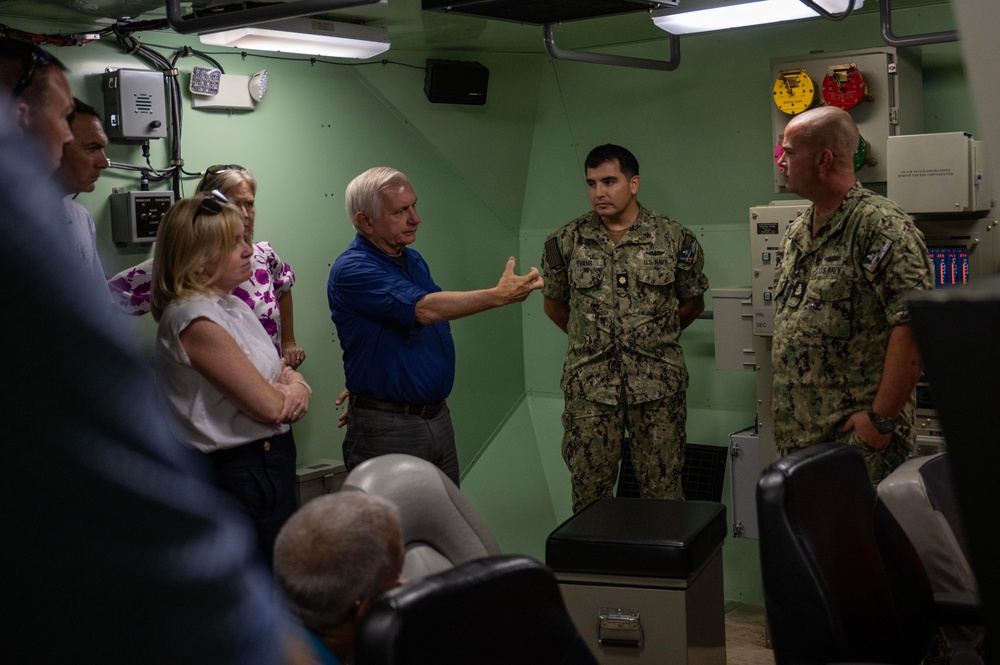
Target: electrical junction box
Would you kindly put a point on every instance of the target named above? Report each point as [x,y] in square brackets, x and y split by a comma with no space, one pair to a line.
[939,174]
[233,93]
[323,476]
[135,104]
[135,216]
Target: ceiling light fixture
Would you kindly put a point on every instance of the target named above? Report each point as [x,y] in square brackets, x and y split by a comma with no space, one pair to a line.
[740,15]
[306,36]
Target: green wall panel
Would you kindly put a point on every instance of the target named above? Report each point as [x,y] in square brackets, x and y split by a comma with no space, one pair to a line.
[508,488]
[545,417]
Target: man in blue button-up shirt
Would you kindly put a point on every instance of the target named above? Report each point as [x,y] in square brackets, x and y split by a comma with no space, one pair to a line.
[392,320]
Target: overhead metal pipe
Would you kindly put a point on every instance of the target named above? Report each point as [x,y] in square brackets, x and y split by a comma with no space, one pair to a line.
[885,14]
[827,15]
[614,60]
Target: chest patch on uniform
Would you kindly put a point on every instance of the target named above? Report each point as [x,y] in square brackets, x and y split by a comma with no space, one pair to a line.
[689,253]
[875,257]
[798,291]
[621,279]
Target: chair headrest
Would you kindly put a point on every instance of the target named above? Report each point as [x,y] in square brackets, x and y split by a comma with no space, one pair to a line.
[433,511]
[499,609]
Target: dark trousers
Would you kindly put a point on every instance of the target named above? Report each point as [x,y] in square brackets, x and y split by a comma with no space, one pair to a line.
[372,433]
[260,475]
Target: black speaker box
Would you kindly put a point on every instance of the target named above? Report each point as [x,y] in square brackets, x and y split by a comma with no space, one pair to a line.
[456,82]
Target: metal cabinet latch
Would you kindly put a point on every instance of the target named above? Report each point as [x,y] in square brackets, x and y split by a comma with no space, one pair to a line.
[619,628]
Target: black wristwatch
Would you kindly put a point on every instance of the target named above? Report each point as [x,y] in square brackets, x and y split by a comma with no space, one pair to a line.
[882,424]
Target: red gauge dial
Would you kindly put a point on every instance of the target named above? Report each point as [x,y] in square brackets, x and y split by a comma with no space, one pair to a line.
[844,86]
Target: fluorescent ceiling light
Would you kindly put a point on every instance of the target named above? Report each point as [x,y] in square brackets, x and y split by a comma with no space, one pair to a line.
[740,15]
[306,36]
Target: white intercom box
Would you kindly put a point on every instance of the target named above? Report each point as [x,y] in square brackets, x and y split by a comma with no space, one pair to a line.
[135,104]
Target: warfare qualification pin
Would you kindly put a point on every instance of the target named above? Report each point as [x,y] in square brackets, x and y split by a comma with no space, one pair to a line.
[798,291]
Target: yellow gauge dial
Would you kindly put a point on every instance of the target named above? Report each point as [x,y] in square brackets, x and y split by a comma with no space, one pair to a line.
[794,91]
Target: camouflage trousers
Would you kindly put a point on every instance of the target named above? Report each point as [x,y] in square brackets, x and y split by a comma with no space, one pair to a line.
[879,463]
[592,447]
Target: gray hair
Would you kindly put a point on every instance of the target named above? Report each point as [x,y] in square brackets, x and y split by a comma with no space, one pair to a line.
[335,550]
[227,178]
[364,192]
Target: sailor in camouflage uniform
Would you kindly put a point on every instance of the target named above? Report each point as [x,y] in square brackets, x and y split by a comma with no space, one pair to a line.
[622,282]
[845,360]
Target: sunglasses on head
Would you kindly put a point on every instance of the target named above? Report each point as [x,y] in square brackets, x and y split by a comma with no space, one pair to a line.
[216,169]
[211,205]
[37,59]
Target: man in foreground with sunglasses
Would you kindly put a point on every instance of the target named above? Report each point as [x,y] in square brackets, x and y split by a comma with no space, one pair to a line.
[40,101]
[126,553]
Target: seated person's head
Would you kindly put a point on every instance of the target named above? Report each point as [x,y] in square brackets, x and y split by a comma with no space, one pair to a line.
[333,557]
[193,240]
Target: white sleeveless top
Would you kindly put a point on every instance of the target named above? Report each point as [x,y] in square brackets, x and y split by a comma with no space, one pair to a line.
[210,420]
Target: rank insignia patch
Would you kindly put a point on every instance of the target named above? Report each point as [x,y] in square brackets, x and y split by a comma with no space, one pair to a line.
[622,279]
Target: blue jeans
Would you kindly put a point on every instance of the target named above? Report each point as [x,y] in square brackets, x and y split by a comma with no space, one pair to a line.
[372,433]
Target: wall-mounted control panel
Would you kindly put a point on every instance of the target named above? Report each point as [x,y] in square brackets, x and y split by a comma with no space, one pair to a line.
[135,216]
[882,89]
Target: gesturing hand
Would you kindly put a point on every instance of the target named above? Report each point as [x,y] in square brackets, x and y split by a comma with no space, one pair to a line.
[515,288]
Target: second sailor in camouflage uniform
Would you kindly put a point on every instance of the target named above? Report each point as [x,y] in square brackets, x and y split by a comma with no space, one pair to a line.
[623,281]
[844,359]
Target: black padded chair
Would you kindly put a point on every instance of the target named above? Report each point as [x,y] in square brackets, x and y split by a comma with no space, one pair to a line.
[842,583]
[493,611]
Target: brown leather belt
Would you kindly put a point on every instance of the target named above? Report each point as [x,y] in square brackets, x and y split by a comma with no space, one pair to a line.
[422,410]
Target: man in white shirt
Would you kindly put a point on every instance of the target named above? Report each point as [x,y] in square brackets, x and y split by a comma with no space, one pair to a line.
[82,162]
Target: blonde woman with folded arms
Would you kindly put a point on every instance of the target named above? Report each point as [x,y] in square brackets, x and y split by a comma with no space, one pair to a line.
[232,395]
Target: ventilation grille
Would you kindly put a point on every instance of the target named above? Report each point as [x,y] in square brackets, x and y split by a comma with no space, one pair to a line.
[143,103]
[702,477]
